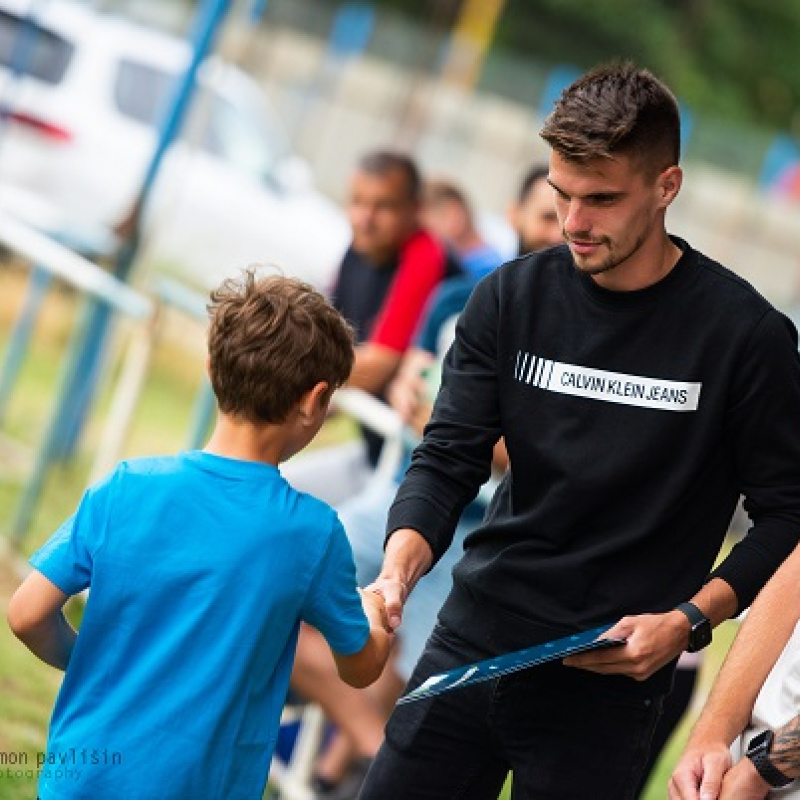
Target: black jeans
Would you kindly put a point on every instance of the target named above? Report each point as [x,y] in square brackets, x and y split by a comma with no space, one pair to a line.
[565,733]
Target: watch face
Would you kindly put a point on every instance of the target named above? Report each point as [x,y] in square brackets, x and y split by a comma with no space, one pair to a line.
[699,636]
[760,742]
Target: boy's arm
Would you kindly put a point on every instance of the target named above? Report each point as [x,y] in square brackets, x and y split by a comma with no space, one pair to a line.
[364,667]
[35,615]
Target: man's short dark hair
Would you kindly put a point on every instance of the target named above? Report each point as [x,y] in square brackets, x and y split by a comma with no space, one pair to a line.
[382,162]
[538,172]
[616,109]
[272,340]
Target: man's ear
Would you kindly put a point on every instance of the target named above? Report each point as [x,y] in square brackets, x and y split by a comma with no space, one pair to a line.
[669,184]
[512,215]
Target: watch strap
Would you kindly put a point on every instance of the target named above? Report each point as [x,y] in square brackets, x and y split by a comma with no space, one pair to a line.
[699,627]
[695,615]
[758,753]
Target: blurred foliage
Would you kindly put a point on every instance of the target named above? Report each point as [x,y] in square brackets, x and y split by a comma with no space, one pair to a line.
[735,59]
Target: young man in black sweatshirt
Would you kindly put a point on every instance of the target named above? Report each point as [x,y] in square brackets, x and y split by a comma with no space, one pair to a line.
[641,388]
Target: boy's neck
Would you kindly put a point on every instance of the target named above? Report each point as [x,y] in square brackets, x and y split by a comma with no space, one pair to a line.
[244,441]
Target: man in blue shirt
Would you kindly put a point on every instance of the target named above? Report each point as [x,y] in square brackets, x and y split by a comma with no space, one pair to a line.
[201,568]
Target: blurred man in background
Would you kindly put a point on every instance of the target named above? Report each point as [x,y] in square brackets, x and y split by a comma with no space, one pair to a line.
[533,215]
[447,213]
[384,282]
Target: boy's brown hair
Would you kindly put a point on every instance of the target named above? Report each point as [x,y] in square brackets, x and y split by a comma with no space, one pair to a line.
[272,340]
[617,109]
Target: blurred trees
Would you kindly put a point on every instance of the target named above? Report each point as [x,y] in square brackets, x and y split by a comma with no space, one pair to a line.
[739,59]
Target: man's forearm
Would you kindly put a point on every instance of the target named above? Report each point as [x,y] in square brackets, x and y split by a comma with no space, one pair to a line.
[717,601]
[374,367]
[407,558]
[785,752]
[759,643]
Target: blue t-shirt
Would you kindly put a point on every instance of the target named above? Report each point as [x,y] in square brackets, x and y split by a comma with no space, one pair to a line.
[201,569]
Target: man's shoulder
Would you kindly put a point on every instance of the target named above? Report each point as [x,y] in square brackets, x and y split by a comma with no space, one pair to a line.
[728,293]
[728,281]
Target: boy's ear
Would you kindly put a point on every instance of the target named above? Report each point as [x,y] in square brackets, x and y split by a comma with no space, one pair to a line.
[314,400]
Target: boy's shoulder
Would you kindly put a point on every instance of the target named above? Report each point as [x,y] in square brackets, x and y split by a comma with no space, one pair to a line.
[149,465]
[313,505]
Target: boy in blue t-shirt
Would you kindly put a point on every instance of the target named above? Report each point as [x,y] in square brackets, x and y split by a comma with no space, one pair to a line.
[201,568]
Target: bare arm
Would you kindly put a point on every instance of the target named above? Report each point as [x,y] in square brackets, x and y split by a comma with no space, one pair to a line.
[364,667]
[36,616]
[374,367]
[759,643]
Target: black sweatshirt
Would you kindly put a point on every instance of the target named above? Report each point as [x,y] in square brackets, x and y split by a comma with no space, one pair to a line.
[633,422]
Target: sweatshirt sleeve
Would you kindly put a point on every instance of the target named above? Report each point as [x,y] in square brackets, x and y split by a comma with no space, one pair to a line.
[763,423]
[454,458]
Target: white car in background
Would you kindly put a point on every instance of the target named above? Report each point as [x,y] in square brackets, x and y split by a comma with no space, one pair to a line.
[79,128]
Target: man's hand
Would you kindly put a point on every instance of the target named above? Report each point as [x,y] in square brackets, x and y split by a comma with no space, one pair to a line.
[653,640]
[699,773]
[742,782]
[375,608]
[393,593]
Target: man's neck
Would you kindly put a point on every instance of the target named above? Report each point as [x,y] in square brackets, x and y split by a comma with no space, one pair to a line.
[651,263]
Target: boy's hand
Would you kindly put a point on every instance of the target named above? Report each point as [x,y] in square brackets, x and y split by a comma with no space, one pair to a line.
[375,608]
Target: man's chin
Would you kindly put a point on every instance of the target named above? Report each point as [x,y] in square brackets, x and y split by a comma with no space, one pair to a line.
[591,266]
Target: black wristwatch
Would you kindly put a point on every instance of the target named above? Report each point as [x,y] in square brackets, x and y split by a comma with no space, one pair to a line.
[700,632]
[758,753]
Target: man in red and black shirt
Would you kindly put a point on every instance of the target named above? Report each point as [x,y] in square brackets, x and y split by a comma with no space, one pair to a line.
[389,271]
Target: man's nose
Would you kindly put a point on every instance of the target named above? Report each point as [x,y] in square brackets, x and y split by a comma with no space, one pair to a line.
[361,215]
[576,219]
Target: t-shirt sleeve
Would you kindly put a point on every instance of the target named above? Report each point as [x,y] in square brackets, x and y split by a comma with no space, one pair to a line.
[68,556]
[333,605]
[421,269]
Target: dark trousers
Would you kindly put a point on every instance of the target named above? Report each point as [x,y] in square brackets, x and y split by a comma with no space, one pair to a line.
[564,732]
[676,704]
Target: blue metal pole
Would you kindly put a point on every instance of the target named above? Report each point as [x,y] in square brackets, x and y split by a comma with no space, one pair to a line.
[83,364]
[205,407]
[38,283]
[45,455]
[257,9]
[79,396]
